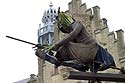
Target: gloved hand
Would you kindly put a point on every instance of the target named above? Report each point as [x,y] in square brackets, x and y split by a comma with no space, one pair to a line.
[41,54]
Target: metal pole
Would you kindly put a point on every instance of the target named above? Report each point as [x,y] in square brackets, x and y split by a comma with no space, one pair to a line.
[20,40]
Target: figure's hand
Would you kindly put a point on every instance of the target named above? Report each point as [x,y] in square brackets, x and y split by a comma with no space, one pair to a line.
[39,46]
[40,53]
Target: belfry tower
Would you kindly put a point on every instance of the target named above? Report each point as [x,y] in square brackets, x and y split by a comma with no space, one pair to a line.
[46,32]
[46,36]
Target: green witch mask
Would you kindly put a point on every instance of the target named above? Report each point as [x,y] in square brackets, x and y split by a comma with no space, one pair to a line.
[64,22]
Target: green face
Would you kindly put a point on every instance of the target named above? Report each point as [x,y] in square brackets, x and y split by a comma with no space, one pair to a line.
[64,22]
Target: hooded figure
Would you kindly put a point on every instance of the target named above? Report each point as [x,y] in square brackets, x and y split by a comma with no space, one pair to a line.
[79,45]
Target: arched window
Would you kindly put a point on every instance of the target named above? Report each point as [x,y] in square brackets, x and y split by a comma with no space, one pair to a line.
[48,16]
[51,11]
[48,11]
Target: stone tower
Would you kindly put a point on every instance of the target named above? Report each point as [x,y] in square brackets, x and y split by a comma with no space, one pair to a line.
[46,32]
[98,28]
[46,36]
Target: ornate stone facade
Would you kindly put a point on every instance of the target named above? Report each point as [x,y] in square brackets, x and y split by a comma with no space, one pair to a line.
[98,28]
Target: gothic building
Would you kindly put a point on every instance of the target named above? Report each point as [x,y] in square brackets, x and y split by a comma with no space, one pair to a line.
[96,26]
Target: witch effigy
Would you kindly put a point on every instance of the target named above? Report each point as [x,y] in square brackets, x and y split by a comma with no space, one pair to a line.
[78,49]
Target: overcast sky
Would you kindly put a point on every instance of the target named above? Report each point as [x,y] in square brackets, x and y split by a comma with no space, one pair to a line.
[21,18]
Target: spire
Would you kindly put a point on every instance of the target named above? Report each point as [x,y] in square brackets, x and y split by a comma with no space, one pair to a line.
[51,5]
